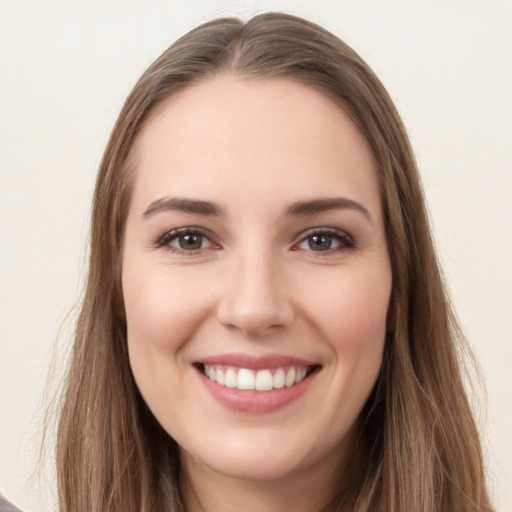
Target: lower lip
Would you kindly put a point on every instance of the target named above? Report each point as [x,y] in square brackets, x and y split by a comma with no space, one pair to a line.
[256,401]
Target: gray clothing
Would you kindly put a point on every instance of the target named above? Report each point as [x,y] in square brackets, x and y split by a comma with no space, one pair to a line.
[5,506]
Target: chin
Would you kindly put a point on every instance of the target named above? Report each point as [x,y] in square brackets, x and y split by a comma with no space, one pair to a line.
[253,467]
[263,455]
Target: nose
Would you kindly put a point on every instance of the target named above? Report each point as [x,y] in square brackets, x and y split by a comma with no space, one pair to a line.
[256,299]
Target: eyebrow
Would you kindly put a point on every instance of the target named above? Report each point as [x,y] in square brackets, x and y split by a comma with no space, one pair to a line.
[299,208]
[323,205]
[183,205]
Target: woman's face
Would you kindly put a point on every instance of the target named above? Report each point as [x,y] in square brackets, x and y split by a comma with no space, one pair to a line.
[255,257]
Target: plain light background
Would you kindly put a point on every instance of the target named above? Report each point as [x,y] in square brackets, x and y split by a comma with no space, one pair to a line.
[66,67]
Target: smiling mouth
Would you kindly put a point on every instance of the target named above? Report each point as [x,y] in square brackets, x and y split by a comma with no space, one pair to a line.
[263,380]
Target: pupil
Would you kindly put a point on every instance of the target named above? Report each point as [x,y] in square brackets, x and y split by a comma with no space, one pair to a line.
[190,242]
[320,242]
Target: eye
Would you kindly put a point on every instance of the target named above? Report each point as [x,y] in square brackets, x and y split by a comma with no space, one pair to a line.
[327,239]
[185,240]
[320,242]
[189,242]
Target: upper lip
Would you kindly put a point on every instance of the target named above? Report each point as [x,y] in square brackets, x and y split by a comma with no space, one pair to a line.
[256,362]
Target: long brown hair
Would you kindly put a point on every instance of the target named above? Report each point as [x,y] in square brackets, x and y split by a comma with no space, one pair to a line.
[422,451]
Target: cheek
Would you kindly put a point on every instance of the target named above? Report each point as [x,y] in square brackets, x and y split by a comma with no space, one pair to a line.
[351,310]
[162,313]
[351,318]
[162,308]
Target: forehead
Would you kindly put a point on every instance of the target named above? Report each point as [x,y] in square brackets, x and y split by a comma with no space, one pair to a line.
[273,136]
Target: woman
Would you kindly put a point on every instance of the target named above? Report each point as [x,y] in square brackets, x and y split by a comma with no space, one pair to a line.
[265,323]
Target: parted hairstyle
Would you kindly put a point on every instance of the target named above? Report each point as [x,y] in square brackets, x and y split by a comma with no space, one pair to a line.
[421,447]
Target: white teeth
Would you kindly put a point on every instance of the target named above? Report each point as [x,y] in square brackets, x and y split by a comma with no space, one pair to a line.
[246,379]
[279,379]
[230,378]
[262,380]
[290,377]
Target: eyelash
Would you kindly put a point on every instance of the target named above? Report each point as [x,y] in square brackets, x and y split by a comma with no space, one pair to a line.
[344,240]
[167,238]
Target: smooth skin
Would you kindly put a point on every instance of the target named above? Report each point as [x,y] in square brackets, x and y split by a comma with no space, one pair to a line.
[253,273]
